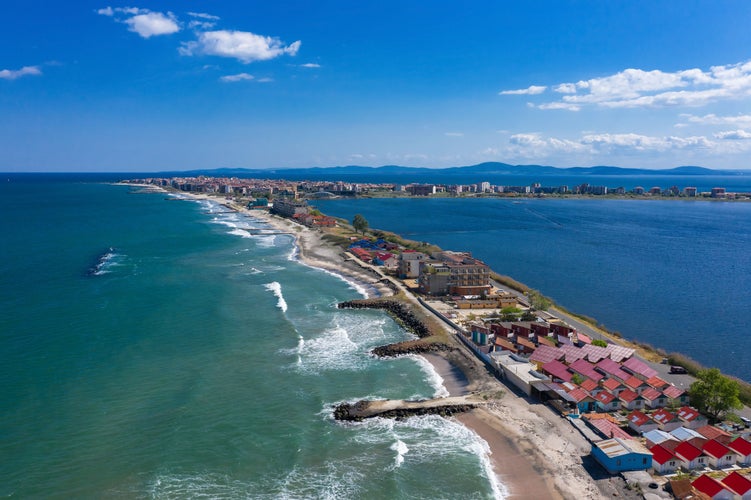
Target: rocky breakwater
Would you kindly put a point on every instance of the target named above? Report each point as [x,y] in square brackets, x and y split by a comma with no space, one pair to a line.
[409,320]
[397,408]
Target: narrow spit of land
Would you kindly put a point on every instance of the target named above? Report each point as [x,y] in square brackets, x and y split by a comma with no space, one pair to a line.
[534,452]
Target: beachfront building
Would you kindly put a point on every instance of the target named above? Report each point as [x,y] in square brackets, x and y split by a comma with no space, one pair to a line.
[718,454]
[453,273]
[619,455]
[289,208]
[690,456]
[409,263]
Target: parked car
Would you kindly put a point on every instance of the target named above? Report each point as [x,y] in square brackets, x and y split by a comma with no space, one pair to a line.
[746,422]
[678,369]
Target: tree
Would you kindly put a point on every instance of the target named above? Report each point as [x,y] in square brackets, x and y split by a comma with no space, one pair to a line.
[538,301]
[510,313]
[599,343]
[360,223]
[714,394]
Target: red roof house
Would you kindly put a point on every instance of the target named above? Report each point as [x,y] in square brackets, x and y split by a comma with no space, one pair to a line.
[738,484]
[639,368]
[657,383]
[640,422]
[667,420]
[557,370]
[712,488]
[606,401]
[586,369]
[653,398]
[676,395]
[742,449]
[664,460]
[691,417]
[719,454]
[691,457]
[631,400]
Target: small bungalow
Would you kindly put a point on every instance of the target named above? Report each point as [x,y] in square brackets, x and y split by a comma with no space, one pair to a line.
[613,386]
[594,353]
[581,339]
[591,387]
[502,344]
[636,384]
[619,353]
[619,455]
[720,456]
[606,401]
[548,341]
[611,369]
[586,369]
[711,487]
[684,434]
[641,422]
[664,460]
[639,368]
[691,417]
[657,383]
[654,398]
[606,426]
[525,345]
[668,421]
[738,484]
[557,370]
[691,457]
[675,395]
[631,400]
[544,354]
[584,402]
[742,450]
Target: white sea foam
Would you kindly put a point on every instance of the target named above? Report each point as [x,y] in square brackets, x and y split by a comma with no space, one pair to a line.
[276,289]
[356,286]
[265,241]
[106,262]
[241,233]
[401,449]
[332,350]
[432,376]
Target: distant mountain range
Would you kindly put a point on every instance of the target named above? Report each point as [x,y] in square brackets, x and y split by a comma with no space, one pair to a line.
[488,168]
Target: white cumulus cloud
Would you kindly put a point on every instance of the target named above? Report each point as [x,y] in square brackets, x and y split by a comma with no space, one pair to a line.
[633,88]
[733,135]
[713,119]
[245,46]
[12,74]
[531,90]
[143,21]
[310,65]
[237,78]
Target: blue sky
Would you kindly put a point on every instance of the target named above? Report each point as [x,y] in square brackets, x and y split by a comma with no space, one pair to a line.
[153,85]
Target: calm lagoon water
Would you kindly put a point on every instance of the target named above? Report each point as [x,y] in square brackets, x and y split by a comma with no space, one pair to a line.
[674,274]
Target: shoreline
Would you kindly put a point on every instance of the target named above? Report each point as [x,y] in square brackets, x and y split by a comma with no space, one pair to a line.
[523,460]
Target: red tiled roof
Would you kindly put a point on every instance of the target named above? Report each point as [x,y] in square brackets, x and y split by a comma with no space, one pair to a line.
[628,396]
[638,418]
[661,454]
[712,432]
[579,394]
[611,384]
[739,484]
[594,353]
[609,429]
[715,449]
[663,416]
[604,397]
[741,446]
[612,368]
[558,370]
[589,385]
[546,341]
[639,367]
[586,368]
[584,339]
[707,485]
[571,352]
[505,344]
[633,382]
[525,342]
[619,353]
[687,451]
[688,414]
[673,392]
[657,382]
[651,394]
[545,354]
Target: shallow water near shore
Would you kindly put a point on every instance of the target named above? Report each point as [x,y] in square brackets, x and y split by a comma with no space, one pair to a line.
[158,348]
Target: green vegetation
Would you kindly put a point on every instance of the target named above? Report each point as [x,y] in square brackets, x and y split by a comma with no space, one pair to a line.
[693,368]
[714,394]
[509,282]
[538,301]
[360,223]
[599,343]
[510,313]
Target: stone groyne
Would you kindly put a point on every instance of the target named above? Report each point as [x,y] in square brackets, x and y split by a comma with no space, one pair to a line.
[398,310]
[396,408]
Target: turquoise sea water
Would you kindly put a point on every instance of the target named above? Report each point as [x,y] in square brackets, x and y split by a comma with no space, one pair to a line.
[155,348]
[673,274]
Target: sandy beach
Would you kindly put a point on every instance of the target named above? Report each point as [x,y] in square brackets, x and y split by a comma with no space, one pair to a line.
[535,453]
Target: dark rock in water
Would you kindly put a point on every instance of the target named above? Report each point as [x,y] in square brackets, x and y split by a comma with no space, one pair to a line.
[401,409]
[98,268]
[399,311]
[402,348]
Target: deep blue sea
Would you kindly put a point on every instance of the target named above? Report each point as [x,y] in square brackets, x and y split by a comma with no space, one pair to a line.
[154,348]
[674,274]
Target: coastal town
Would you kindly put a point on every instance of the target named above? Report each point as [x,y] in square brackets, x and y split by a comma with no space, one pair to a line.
[270,188]
[635,413]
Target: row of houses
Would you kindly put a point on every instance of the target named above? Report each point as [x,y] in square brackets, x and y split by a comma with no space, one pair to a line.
[734,486]
[691,450]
